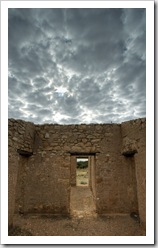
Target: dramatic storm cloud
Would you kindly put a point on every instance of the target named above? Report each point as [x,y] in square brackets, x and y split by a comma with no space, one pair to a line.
[77,65]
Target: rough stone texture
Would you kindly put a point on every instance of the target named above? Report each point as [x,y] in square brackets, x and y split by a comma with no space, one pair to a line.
[129,147]
[20,136]
[42,182]
[136,131]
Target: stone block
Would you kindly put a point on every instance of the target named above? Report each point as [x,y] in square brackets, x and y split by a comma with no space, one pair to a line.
[15,139]
[47,135]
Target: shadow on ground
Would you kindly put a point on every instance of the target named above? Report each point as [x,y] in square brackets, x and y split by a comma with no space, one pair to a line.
[18,231]
[113,225]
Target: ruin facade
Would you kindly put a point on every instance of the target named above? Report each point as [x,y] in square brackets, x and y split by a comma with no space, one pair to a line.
[42,166]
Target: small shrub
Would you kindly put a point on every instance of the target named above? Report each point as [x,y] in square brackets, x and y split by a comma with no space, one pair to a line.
[82,182]
[82,164]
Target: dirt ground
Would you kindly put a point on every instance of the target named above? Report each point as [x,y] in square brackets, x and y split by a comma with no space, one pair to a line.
[81,202]
[83,221]
[38,225]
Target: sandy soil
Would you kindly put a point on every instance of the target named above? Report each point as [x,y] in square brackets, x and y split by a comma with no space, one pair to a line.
[82,177]
[83,221]
[63,226]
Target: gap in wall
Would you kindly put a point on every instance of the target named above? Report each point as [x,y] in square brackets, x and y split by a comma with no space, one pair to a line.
[82,177]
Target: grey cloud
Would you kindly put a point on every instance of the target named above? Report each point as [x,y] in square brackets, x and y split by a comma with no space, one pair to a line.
[37,97]
[39,82]
[70,120]
[96,55]
[68,105]
[15,106]
[134,20]
[44,112]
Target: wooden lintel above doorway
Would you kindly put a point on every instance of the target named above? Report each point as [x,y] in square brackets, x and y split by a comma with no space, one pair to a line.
[83,153]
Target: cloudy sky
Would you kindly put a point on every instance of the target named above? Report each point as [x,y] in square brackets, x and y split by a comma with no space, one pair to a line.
[77,65]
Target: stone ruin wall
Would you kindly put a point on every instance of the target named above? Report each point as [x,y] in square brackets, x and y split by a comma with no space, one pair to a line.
[20,136]
[134,139]
[40,166]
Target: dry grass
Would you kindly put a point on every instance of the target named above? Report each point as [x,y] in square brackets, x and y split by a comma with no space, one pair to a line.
[82,177]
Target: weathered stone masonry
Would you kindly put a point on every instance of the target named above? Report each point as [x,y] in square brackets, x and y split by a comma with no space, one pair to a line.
[42,163]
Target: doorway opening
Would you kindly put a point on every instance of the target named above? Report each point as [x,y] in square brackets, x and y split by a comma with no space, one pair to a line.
[82,171]
[83,192]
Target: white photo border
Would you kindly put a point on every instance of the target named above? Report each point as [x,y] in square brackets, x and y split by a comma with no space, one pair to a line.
[149,238]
